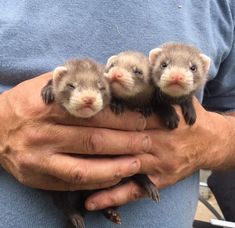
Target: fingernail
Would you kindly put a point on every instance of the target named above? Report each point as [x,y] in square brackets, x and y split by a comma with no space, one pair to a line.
[146,144]
[134,168]
[141,123]
[91,206]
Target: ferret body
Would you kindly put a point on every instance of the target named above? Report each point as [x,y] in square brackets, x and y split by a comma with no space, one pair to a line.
[178,71]
[129,77]
[80,87]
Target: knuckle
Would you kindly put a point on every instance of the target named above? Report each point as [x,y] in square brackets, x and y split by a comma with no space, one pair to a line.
[131,146]
[171,167]
[93,142]
[31,135]
[111,200]
[23,163]
[118,174]
[77,176]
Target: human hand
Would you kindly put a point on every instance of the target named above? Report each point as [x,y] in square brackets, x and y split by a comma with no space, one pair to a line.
[44,147]
[175,154]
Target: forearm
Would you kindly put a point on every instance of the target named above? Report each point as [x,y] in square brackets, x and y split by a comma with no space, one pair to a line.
[220,130]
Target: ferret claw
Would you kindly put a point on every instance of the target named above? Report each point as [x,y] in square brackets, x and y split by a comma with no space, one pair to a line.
[172,124]
[172,121]
[152,192]
[112,215]
[116,107]
[77,220]
[189,114]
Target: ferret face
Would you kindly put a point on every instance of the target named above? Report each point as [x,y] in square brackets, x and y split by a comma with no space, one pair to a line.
[128,74]
[80,87]
[178,69]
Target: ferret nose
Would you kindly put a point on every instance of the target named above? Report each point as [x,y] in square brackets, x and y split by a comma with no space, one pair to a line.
[177,77]
[88,100]
[117,75]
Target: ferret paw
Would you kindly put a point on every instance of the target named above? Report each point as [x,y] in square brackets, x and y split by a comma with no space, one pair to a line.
[189,116]
[143,181]
[190,120]
[77,220]
[152,192]
[116,107]
[172,121]
[112,215]
[47,93]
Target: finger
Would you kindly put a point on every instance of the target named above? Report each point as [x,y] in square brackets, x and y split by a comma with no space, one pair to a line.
[130,121]
[89,171]
[47,182]
[115,196]
[85,140]
[149,163]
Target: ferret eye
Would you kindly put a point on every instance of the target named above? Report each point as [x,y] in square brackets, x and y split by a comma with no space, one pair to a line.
[110,66]
[70,86]
[101,85]
[137,71]
[193,68]
[107,68]
[163,65]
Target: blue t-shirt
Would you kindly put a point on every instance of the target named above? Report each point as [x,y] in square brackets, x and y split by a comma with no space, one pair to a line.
[36,36]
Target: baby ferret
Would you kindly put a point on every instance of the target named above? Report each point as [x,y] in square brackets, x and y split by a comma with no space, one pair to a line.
[80,87]
[178,71]
[129,76]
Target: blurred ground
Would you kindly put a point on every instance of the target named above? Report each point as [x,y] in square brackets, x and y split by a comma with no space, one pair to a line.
[203,213]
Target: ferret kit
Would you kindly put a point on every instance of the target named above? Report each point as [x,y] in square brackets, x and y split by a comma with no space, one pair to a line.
[169,76]
[79,87]
[129,74]
[178,71]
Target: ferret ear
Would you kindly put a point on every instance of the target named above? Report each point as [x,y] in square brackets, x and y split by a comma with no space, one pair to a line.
[153,54]
[206,60]
[110,59]
[59,72]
